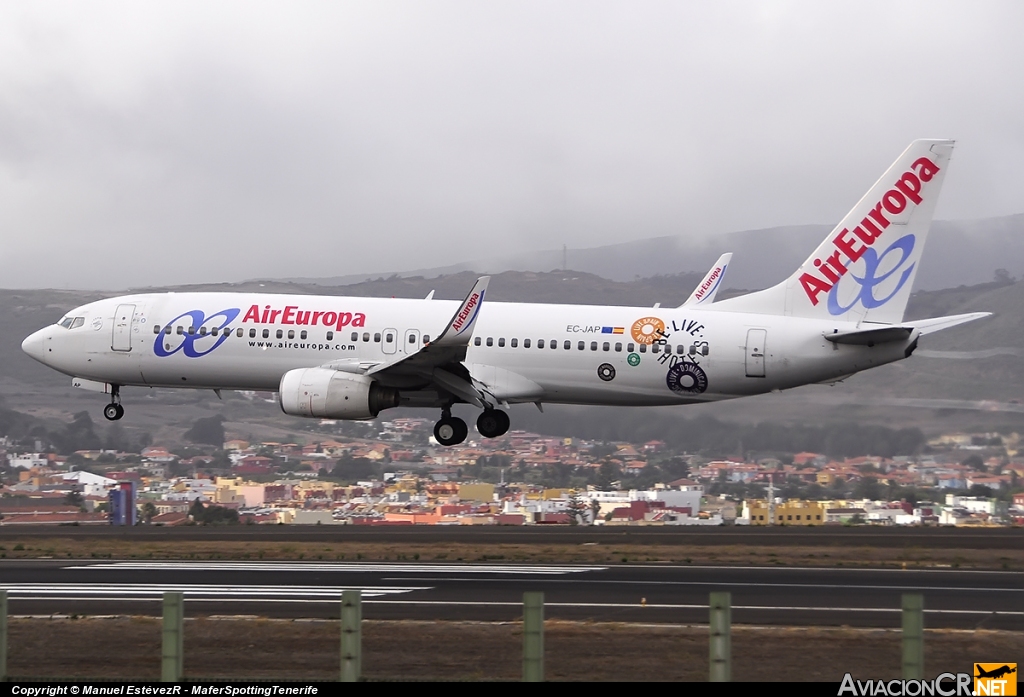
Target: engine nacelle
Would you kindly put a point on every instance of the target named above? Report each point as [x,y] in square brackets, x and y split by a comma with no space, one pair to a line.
[330,394]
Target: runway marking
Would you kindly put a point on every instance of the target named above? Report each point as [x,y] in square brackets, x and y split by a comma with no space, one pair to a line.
[139,591]
[338,566]
[742,584]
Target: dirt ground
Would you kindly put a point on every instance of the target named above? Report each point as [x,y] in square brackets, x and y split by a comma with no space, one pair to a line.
[1010,559]
[261,649]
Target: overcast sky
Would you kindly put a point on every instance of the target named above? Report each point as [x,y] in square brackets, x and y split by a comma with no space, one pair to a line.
[146,143]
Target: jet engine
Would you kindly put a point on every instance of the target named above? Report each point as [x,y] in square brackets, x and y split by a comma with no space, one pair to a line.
[331,394]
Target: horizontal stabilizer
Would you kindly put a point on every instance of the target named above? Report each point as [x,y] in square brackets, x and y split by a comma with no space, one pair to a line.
[870,337]
[937,324]
[902,332]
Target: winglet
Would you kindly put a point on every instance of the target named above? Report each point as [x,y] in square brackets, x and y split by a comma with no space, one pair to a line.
[704,293]
[460,329]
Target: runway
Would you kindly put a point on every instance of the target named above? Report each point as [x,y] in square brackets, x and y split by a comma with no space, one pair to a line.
[658,593]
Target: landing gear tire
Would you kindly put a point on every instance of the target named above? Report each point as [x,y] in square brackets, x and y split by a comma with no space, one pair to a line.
[450,430]
[113,412]
[492,423]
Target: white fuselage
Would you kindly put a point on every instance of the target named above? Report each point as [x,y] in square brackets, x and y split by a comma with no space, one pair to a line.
[116,342]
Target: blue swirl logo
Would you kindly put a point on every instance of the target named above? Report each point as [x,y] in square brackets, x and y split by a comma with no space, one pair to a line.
[870,280]
[194,333]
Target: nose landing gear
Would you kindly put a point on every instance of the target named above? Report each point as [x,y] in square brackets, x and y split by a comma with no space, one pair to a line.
[450,430]
[114,410]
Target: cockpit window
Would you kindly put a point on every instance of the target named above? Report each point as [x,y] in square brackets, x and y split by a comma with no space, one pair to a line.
[71,322]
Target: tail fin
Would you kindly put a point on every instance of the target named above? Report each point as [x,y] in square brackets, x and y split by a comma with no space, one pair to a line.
[704,293]
[864,270]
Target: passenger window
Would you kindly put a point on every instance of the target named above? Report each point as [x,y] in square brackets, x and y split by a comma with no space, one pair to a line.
[618,347]
[426,339]
[202,331]
[567,345]
[526,343]
[303,334]
[593,345]
[280,333]
[355,336]
[501,342]
[554,343]
[490,341]
[655,348]
[167,329]
[376,337]
[291,333]
[330,336]
[477,341]
[388,338]
[240,332]
[582,346]
[366,336]
[630,347]
[606,346]
[179,330]
[412,338]
[252,333]
[515,343]
[191,330]
[540,343]
[266,333]
[214,331]
[680,349]
[156,328]
[643,348]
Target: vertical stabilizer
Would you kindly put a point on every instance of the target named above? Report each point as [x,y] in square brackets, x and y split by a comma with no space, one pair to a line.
[864,270]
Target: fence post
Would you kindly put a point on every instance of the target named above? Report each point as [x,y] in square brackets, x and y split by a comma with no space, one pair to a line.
[172,656]
[533,637]
[913,636]
[721,641]
[3,635]
[351,636]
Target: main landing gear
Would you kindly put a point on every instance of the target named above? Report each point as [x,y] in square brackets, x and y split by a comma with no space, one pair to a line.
[114,410]
[451,430]
[492,423]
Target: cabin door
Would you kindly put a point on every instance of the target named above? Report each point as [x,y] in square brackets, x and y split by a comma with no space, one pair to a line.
[122,338]
[756,339]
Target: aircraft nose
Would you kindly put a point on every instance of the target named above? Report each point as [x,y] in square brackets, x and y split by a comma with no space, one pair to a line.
[35,345]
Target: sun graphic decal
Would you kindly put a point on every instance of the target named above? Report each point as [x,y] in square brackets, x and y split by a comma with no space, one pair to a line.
[647,330]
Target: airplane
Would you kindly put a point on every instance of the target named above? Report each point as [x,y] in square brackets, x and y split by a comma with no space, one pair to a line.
[839,313]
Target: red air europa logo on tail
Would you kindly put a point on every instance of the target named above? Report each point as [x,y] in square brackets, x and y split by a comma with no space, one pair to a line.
[848,247]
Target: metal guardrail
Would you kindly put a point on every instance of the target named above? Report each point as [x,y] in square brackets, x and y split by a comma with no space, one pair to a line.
[720,642]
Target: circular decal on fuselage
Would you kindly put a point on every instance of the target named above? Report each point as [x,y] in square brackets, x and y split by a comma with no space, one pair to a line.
[633,359]
[647,330]
[606,371]
[687,378]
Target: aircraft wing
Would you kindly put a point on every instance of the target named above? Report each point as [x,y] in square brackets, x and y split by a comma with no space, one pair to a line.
[440,361]
[704,293]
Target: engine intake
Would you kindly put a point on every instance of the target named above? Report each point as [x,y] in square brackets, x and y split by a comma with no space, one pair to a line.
[331,394]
